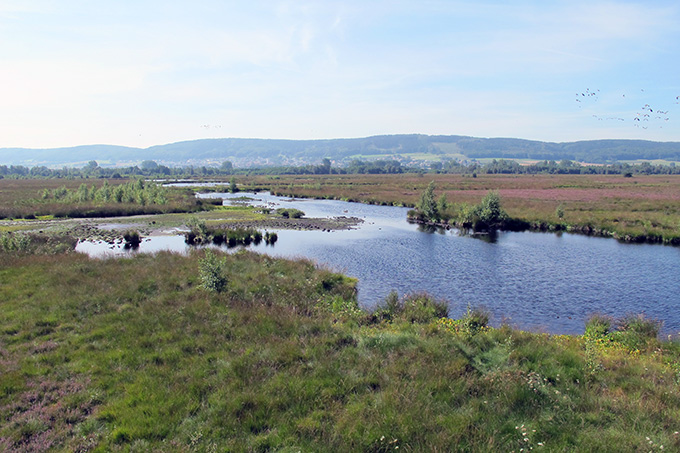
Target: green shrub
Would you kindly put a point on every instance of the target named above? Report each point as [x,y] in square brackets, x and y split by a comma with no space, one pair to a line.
[212,272]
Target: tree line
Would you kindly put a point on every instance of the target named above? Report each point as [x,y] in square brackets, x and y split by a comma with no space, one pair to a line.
[151,169]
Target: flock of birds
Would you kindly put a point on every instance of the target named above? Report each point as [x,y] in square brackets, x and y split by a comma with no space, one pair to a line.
[644,118]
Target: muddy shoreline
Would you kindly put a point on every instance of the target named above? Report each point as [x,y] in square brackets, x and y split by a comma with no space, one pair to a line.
[111,230]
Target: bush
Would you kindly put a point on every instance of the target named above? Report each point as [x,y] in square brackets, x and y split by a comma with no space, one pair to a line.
[212,272]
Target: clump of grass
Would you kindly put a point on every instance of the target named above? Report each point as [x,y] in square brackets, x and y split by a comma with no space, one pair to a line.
[598,326]
[290,213]
[475,320]
[199,233]
[132,239]
[34,243]
[637,331]
[270,238]
[14,242]
[632,332]
[413,308]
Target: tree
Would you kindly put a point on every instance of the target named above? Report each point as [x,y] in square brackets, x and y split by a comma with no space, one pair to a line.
[443,206]
[149,165]
[427,205]
[325,166]
[227,166]
[232,185]
[489,212]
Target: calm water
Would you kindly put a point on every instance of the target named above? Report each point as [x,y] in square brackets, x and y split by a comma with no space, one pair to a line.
[535,281]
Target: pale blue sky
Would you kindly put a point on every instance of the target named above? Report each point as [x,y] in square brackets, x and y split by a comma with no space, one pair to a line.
[140,73]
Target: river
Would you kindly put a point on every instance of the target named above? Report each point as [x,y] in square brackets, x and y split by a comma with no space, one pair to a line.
[538,281]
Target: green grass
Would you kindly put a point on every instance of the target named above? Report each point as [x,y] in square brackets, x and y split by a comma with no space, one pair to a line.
[131,354]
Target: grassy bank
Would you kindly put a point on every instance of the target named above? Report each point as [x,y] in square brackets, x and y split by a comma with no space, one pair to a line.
[637,209]
[131,354]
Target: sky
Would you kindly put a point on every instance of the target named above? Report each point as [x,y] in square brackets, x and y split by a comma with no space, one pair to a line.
[145,72]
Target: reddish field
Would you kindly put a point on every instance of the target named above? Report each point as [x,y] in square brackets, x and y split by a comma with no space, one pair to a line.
[642,205]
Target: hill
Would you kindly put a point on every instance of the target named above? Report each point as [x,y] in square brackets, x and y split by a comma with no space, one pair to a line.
[262,152]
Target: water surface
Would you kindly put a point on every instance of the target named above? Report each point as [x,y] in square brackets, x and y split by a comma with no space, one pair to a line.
[539,281]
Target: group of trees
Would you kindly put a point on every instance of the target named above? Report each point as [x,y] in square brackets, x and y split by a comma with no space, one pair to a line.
[151,169]
[487,215]
[503,166]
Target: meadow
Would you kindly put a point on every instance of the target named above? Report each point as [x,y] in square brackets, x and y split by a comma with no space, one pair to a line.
[132,354]
[636,209]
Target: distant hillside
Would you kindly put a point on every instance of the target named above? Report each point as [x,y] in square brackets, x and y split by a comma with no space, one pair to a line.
[246,152]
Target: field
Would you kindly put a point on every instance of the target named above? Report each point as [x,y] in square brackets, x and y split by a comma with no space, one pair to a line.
[636,209]
[133,355]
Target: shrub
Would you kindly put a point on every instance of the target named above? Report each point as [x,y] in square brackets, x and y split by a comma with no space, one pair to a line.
[212,272]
